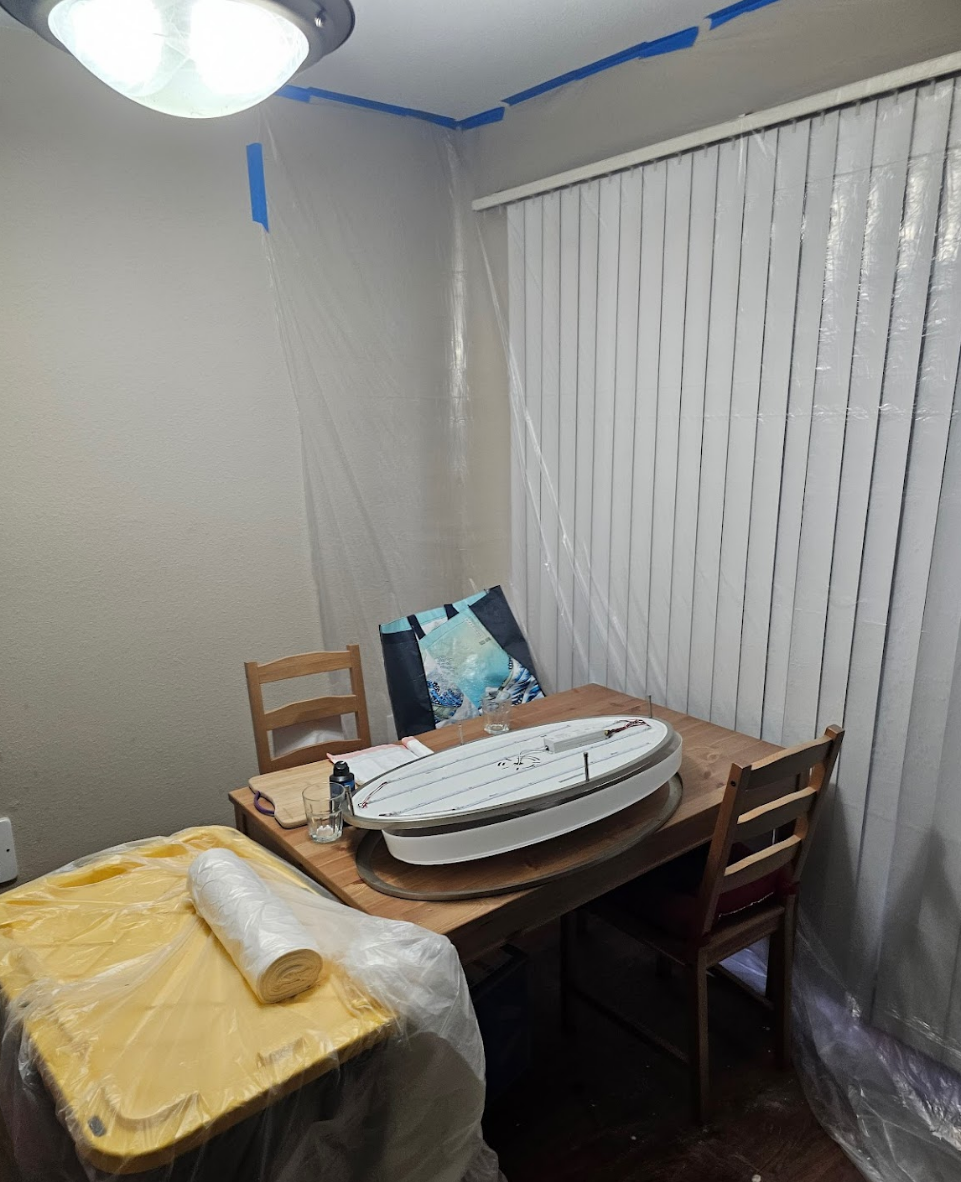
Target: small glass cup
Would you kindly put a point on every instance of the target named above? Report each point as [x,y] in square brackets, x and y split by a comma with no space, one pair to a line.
[496,709]
[324,806]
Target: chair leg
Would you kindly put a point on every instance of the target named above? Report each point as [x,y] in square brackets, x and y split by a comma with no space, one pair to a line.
[662,967]
[699,1056]
[782,955]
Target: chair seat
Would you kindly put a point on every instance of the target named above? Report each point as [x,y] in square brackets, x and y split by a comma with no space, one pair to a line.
[666,898]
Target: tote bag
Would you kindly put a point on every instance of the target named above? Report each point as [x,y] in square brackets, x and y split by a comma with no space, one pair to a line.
[439,662]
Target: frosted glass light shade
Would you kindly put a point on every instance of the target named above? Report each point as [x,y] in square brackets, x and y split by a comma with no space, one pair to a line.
[195,58]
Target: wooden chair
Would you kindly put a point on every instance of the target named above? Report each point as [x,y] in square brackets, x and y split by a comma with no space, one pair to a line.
[697,913]
[310,710]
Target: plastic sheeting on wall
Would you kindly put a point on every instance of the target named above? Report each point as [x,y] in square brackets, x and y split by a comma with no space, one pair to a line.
[367,261]
[894,1110]
[736,487]
[375,1073]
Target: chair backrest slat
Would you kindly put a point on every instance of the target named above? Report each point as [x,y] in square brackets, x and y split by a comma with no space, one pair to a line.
[773,814]
[776,789]
[308,710]
[304,665]
[766,797]
[754,866]
[795,761]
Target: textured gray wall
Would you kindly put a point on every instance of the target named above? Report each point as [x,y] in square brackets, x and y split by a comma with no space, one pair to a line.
[153,529]
[152,520]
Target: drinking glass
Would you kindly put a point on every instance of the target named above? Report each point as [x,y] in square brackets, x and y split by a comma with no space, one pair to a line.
[324,806]
[496,709]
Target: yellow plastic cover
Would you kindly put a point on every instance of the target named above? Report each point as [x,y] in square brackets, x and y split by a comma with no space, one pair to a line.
[145,1032]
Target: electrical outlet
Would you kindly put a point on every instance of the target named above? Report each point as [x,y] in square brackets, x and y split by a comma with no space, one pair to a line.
[8,855]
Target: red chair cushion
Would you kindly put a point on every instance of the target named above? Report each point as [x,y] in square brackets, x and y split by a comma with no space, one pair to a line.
[667,896]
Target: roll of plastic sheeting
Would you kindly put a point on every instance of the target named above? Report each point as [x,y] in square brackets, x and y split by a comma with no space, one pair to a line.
[265,940]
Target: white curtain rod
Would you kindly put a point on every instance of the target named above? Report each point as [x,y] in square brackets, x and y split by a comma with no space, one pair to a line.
[842,96]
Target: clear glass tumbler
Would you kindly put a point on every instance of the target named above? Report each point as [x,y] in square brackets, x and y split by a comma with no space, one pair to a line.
[496,709]
[324,806]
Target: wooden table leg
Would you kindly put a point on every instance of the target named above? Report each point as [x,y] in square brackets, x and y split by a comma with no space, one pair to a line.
[568,950]
[700,1056]
[240,819]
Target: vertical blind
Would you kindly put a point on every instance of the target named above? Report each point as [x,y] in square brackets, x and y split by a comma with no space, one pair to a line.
[735,481]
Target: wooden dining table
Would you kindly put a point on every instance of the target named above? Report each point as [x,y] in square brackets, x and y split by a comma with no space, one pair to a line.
[477,926]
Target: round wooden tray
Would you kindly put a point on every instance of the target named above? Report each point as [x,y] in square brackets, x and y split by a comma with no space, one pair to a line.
[521,869]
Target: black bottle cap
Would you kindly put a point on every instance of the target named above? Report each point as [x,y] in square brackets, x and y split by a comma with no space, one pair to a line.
[341,768]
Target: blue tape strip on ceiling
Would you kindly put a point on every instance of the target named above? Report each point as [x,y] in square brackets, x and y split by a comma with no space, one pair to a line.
[683,39]
[723,15]
[303,94]
[494,115]
[258,186]
[300,94]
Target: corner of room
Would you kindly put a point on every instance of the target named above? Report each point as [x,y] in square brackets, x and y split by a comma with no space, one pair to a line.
[477,486]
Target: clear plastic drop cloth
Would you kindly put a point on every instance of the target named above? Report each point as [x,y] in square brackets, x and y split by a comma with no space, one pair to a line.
[367,262]
[133,1047]
[736,487]
[892,1108]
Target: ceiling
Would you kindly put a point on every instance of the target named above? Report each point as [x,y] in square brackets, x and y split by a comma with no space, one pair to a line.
[460,57]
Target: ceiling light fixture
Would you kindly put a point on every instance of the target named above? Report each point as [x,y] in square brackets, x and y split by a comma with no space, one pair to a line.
[194,58]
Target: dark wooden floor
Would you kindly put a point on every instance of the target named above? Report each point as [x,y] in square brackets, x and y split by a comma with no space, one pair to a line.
[604,1107]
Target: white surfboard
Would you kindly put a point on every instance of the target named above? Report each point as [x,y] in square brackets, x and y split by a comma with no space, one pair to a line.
[508,791]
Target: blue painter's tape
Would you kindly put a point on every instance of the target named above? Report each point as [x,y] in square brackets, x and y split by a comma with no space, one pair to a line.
[351,100]
[604,63]
[683,39]
[494,115]
[258,187]
[723,15]
[542,88]
[300,94]
[607,63]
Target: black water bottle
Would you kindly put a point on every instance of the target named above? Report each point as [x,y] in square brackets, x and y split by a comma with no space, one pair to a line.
[343,777]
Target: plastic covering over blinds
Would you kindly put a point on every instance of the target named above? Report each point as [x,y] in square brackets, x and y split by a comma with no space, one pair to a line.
[737,487]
